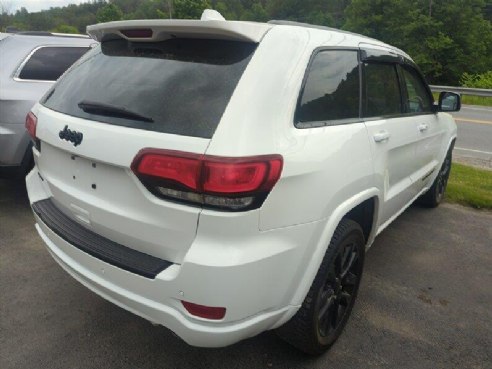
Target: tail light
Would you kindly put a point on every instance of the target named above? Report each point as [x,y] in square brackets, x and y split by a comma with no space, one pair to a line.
[202,311]
[31,122]
[137,33]
[234,184]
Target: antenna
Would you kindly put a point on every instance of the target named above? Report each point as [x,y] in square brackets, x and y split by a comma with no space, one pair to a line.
[210,14]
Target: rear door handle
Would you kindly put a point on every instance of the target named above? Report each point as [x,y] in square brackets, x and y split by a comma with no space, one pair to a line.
[423,127]
[381,136]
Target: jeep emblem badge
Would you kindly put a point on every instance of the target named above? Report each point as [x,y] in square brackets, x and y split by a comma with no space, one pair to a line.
[71,136]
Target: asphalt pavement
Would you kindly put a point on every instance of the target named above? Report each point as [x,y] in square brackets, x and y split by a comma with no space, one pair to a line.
[425,302]
[474,143]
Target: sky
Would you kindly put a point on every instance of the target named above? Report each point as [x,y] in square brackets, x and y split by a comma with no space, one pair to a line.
[36,5]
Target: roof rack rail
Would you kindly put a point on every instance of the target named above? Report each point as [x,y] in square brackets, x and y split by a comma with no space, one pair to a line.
[50,34]
[34,33]
[307,25]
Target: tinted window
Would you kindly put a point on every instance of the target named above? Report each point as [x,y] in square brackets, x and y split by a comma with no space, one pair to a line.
[331,90]
[418,98]
[49,63]
[382,90]
[182,85]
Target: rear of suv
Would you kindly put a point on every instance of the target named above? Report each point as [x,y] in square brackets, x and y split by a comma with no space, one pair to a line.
[30,63]
[225,178]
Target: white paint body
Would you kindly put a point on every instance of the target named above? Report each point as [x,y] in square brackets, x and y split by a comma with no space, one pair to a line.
[258,264]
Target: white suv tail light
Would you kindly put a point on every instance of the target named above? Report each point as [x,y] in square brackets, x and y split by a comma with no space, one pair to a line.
[233,184]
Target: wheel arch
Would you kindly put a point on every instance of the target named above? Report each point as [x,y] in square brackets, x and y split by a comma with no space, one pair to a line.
[445,149]
[365,214]
[350,208]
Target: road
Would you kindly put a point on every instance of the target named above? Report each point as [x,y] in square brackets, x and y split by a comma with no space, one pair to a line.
[424,303]
[474,143]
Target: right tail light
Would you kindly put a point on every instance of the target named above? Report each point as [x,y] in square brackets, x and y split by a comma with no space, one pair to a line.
[233,184]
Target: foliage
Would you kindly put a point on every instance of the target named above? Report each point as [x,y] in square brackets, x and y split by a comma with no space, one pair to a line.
[189,9]
[65,28]
[445,38]
[470,186]
[109,12]
[78,16]
[483,80]
[476,100]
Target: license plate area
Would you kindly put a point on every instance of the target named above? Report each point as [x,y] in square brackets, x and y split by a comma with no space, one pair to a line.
[117,207]
[84,172]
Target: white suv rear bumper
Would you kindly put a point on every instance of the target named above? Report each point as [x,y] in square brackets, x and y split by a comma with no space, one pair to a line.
[167,312]
[257,292]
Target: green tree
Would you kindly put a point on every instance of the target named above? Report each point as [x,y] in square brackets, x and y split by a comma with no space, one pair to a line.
[230,9]
[483,80]
[464,23]
[109,12]
[189,9]
[65,28]
[445,40]
[308,11]
[380,19]
[255,13]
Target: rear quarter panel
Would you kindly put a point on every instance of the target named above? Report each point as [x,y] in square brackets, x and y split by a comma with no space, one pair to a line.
[327,170]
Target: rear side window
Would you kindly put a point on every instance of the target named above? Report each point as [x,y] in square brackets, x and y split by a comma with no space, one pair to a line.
[180,86]
[331,90]
[49,63]
[381,90]
[418,99]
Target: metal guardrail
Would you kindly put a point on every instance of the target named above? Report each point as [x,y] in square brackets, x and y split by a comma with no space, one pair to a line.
[464,90]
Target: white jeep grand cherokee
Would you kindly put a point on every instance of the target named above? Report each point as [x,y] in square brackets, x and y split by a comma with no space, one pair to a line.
[225,178]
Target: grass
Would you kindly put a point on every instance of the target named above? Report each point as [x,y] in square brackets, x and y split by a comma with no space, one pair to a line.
[470,100]
[476,100]
[470,186]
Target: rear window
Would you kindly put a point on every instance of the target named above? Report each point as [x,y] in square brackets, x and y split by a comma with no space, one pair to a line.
[49,63]
[181,86]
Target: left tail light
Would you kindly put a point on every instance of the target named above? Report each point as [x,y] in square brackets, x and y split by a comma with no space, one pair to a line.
[233,184]
[31,122]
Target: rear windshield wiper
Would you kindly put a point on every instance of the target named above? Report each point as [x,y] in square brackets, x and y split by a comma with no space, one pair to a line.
[93,107]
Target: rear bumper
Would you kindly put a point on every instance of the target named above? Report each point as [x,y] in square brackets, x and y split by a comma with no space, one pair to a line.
[101,278]
[255,288]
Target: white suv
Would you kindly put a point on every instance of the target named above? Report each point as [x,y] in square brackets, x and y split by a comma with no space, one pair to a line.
[225,178]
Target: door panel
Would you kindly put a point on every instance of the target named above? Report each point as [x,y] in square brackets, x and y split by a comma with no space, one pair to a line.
[394,162]
[418,105]
[393,136]
[430,138]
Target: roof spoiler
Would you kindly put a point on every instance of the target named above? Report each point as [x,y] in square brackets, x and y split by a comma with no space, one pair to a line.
[212,25]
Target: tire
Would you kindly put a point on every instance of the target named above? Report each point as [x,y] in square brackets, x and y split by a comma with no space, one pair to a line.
[435,194]
[329,302]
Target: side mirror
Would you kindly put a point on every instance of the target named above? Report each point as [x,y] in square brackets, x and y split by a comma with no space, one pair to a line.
[449,101]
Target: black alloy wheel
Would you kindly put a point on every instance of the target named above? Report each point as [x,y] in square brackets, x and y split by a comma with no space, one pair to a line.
[442,178]
[435,194]
[327,307]
[337,293]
